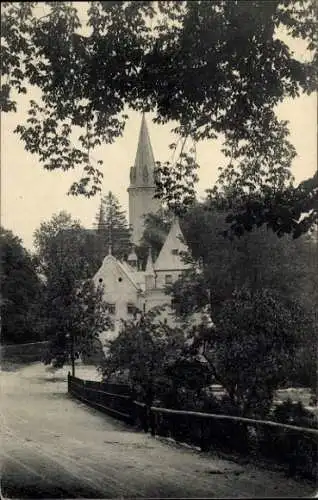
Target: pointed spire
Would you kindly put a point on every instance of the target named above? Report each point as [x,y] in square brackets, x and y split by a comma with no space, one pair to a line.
[149,266]
[150,273]
[142,173]
[132,258]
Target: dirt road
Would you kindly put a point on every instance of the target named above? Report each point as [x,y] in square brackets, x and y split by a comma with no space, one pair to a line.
[55,447]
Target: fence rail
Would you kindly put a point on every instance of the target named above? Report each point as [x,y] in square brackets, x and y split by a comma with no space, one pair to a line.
[100,396]
[295,447]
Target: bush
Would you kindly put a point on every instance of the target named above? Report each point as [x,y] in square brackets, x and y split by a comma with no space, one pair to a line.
[95,355]
[294,414]
[223,406]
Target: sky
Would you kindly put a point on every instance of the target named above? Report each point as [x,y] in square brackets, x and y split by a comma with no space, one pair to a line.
[31,195]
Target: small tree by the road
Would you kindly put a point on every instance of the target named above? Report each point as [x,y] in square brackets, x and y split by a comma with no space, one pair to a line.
[75,322]
[144,349]
[74,310]
[154,359]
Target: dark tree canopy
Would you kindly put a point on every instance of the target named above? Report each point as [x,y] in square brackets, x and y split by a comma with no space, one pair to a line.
[21,291]
[156,229]
[64,246]
[252,350]
[257,260]
[216,68]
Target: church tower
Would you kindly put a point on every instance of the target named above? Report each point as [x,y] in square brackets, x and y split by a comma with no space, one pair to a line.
[142,185]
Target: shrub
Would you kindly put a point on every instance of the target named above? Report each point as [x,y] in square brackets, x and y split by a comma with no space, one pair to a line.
[294,414]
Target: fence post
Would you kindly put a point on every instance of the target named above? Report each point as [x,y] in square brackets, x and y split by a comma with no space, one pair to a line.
[152,422]
[132,411]
[146,418]
[292,454]
[68,382]
[203,441]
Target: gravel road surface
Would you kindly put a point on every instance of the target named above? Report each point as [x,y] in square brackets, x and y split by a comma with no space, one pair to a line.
[53,446]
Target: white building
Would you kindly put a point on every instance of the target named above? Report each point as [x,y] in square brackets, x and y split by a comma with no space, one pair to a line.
[127,289]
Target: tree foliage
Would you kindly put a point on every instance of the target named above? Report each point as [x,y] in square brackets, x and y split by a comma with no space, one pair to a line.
[216,68]
[75,319]
[72,305]
[285,210]
[144,348]
[64,246]
[260,292]
[253,347]
[21,291]
[258,259]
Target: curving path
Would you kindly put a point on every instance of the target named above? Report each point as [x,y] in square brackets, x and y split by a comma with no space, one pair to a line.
[55,447]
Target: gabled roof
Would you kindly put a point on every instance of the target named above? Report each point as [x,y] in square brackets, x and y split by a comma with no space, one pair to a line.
[110,260]
[169,258]
[139,278]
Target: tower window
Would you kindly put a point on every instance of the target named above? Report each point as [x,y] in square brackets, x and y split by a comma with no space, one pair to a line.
[100,280]
[174,251]
[168,279]
[120,279]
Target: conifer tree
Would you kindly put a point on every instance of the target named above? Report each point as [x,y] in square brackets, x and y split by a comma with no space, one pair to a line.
[100,219]
[112,228]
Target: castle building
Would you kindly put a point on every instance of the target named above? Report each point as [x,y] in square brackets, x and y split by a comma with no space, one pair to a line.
[127,289]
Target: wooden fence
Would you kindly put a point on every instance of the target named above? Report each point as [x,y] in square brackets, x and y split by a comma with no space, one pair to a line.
[112,399]
[295,447]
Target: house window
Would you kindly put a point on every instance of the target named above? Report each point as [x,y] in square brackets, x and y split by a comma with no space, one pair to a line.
[131,308]
[111,308]
[168,279]
[174,251]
